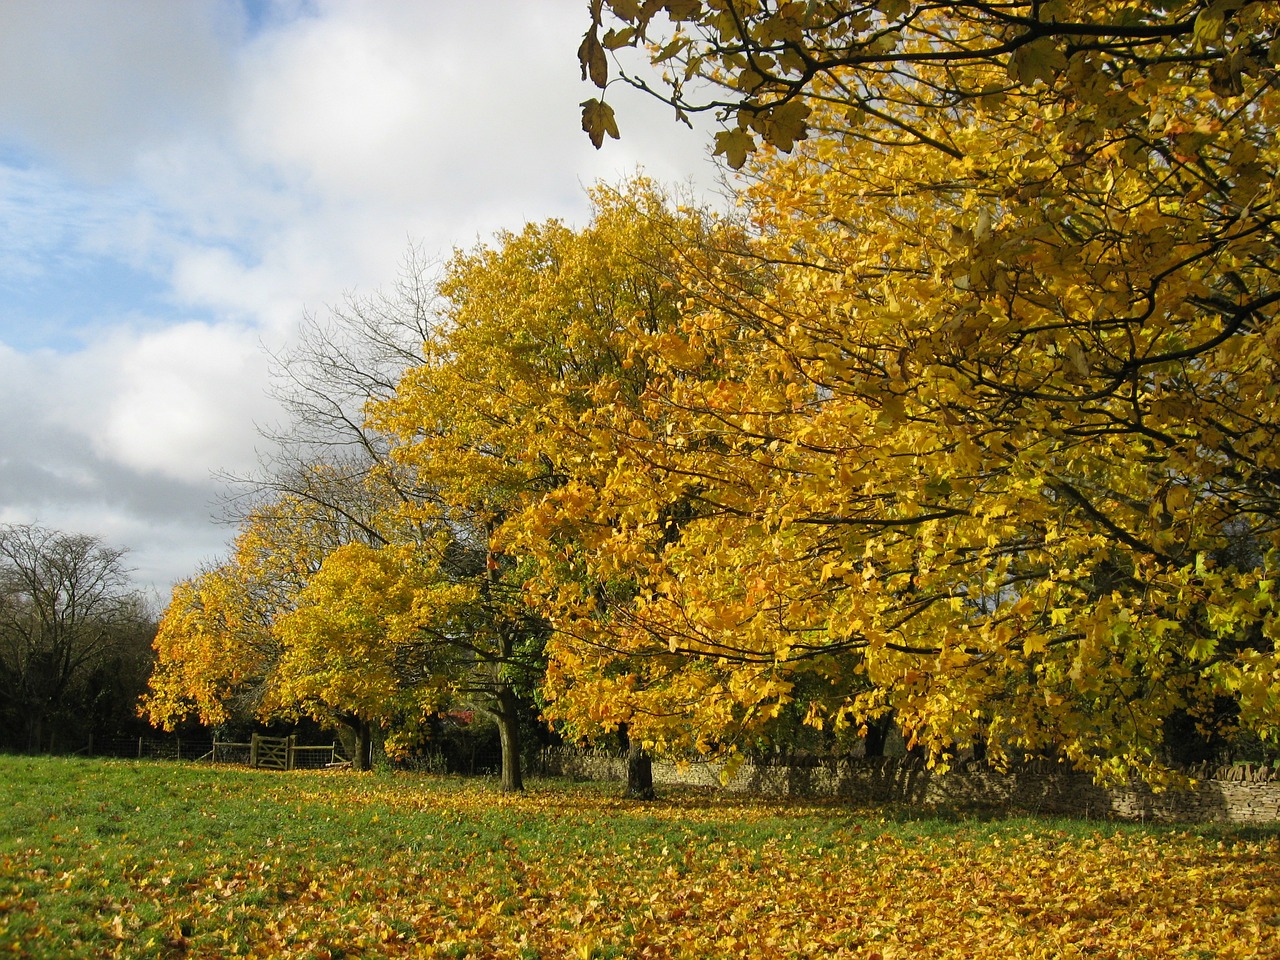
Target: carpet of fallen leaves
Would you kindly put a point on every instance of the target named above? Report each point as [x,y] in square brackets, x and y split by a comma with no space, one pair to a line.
[163,860]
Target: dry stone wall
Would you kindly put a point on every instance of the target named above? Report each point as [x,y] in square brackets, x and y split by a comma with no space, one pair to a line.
[1238,794]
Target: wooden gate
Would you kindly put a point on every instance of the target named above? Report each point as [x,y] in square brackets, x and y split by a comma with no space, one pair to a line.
[273,753]
[278,753]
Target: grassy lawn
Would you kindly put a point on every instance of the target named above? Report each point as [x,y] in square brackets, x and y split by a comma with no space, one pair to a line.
[109,858]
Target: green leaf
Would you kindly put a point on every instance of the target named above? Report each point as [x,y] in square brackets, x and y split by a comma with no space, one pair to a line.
[1038,60]
[615,39]
[734,145]
[595,65]
[597,120]
[679,10]
[628,10]
[786,124]
[1211,24]
[671,50]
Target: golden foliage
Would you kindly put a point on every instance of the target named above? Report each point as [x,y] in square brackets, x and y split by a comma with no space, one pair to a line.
[981,429]
[968,418]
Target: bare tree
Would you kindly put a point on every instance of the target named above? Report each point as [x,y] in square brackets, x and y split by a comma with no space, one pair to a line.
[66,609]
[324,452]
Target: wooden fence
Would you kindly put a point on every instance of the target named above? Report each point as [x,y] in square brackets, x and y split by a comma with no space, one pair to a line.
[278,753]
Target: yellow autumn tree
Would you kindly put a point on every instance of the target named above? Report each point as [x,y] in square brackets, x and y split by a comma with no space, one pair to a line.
[220,651]
[215,651]
[509,416]
[982,431]
[763,67]
[255,632]
[349,641]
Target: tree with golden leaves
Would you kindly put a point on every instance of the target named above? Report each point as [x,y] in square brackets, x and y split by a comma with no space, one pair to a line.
[982,430]
[509,416]
[254,636]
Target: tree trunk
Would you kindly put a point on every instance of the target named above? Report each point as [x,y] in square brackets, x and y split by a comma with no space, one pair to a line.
[877,735]
[364,747]
[35,732]
[508,716]
[639,768]
[362,750]
[980,749]
[508,732]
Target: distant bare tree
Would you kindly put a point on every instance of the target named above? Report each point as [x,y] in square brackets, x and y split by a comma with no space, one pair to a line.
[67,611]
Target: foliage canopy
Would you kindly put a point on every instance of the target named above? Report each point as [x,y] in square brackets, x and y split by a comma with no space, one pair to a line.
[968,417]
[991,428]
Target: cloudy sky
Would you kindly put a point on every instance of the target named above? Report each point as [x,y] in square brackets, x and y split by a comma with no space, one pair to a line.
[180,180]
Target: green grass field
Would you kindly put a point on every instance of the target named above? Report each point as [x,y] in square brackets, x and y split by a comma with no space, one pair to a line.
[123,859]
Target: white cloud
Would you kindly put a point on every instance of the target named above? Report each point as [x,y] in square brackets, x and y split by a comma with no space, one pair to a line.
[248,171]
[89,81]
[182,401]
[57,469]
[177,402]
[340,104]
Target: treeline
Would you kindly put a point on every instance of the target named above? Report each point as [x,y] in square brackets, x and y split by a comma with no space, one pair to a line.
[965,420]
[75,641]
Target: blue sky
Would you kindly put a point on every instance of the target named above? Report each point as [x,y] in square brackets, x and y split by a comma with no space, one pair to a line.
[181,181]
[56,283]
